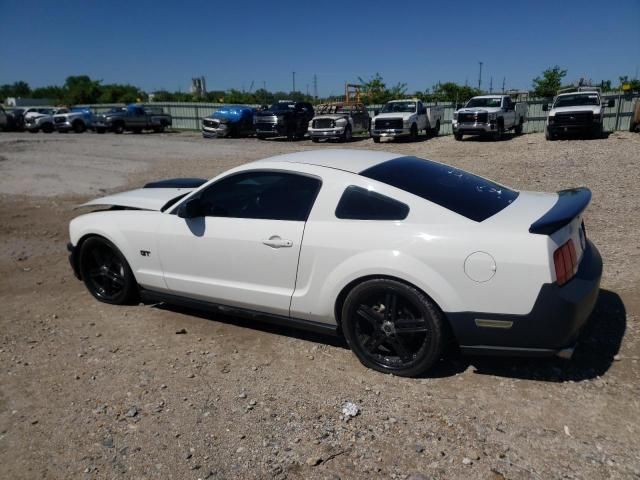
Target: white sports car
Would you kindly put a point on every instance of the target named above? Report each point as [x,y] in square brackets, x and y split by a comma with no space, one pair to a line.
[396,253]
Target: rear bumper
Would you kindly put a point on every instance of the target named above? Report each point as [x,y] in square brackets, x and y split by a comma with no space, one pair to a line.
[552,326]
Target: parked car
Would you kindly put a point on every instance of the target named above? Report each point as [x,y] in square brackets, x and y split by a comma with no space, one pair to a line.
[77,119]
[489,115]
[397,251]
[42,119]
[15,119]
[134,118]
[578,111]
[338,121]
[634,121]
[229,121]
[405,118]
[3,119]
[285,118]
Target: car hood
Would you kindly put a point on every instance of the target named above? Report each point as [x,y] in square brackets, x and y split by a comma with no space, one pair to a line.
[403,115]
[480,109]
[332,116]
[141,198]
[578,108]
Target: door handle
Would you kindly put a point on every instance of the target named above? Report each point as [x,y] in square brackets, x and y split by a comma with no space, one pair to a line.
[276,242]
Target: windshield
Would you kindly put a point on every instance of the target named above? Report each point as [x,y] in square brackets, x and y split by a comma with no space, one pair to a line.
[282,107]
[577,100]
[399,107]
[461,192]
[328,109]
[484,102]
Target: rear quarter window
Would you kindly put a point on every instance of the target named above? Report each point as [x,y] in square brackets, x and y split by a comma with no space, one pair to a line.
[360,204]
[464,193]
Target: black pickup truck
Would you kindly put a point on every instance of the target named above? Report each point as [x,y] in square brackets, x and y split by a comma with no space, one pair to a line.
[284,119]
[134,118]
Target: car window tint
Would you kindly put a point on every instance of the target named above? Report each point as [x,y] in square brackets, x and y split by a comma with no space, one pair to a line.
[261,195]
[461,192]
[360,204]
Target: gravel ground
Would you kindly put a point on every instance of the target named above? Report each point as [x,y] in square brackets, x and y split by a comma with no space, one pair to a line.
[89,390]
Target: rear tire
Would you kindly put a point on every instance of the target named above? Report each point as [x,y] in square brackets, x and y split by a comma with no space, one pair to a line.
[106,273]
[79,126]
[518,128]
[376,139]
[413,135]
[458,136]
[393,327]
[118,128]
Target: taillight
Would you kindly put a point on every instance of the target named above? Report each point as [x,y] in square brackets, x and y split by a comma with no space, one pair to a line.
[566,262]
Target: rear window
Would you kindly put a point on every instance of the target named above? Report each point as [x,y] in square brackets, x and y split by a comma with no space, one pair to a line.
[461,192]
[360,204]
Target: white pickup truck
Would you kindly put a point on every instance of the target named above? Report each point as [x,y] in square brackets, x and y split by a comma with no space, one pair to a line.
[489,115]
[405,118]
[578,110]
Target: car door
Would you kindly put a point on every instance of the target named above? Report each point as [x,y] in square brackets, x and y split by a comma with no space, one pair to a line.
[509,113]
[242,249]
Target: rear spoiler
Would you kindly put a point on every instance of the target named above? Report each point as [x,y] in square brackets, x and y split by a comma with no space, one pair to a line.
[570,204]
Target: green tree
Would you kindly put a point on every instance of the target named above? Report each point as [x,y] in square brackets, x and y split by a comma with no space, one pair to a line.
[634,84]
[116,93]
[81,90]
[52,92]
[451,92]
[549,83]
[18,89]
[375,90]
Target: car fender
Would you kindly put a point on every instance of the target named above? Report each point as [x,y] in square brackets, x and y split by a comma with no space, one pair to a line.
[321,299]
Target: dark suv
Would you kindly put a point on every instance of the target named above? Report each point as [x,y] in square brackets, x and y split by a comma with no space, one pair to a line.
[284,119]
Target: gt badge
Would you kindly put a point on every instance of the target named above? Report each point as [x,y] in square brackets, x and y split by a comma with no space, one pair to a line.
[145,253]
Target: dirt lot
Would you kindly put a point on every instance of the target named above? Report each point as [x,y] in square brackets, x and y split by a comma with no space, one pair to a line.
[93,391]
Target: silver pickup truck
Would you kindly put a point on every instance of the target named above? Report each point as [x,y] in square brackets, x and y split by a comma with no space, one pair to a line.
[489,115]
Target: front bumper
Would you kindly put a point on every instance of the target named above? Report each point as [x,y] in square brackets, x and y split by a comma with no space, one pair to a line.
[593,127]
[390,132]
[271,130]
[552,326]
[213,132]
[474,128]
[73,260]
[63,126]
[326,132]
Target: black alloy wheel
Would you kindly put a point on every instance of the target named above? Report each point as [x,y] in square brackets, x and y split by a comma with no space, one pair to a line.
[392,327]
[106,273]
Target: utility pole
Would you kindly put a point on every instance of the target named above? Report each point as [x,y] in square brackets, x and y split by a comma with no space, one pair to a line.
[315,86]
[504,79]
[307,89]
[480,76]
[294,82]
[491,85]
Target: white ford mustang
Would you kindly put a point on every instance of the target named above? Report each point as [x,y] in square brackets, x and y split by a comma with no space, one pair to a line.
[396,253]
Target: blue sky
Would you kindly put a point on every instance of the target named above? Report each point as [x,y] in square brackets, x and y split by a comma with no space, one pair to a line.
[162,44]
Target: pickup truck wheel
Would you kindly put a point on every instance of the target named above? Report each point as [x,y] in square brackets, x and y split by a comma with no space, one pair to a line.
[118,128]
[346,136]
[33,130]
[47,128]
[436,130]
[413,136]
[548,135]
[315,140]
[518,128]
[497,135]
[458,136]
[106,273]
[393,327]
[376,139]
[79,126]
[632,126]
[599,132]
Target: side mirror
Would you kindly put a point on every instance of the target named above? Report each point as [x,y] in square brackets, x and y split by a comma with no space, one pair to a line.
[376,112]
[611,103]
[192,208]
[545,107]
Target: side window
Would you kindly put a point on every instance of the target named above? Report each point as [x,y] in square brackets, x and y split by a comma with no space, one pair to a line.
[360,204]
[261,195]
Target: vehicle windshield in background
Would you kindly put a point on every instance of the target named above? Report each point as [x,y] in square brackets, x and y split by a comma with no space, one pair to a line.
[484,102]
[576,100]
[399,107]
[461,192]
[282,107]
[329,109]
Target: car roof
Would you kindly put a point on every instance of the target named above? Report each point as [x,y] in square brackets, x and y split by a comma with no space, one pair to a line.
[354,161]
[490,96]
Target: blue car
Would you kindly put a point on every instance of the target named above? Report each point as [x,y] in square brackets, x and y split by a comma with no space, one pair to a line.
[229,121]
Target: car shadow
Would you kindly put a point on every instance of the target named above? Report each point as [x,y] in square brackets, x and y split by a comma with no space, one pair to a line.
[507,136]
[581,136]
[598,343]
[261,326]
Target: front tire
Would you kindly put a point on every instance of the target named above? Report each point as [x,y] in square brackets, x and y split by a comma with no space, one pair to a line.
[548,135]
[118,128]
[393,327]
[457,135]
[413,135]
[376,139]
[106,273]
[346,136]
[79,127]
